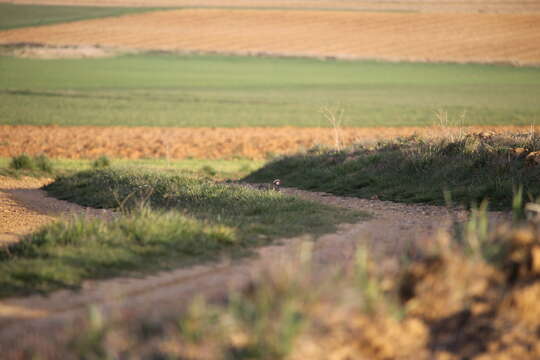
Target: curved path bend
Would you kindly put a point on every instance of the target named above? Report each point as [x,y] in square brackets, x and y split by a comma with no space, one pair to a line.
[24,207]
[45,321]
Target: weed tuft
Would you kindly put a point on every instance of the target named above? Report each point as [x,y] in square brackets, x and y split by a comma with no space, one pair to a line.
[43,163]
[25,162]
[208,170]
[92,342]
[101,162]
[22,162]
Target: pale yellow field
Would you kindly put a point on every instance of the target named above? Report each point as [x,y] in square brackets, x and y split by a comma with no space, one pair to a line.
[463,6]
[484,38]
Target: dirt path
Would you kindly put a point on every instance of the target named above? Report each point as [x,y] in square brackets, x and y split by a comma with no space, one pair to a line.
[44,322]
[17,219]
[24,208]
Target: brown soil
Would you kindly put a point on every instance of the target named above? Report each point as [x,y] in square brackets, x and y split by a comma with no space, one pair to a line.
[18,219]
[24,208]
[204,143]
[463,6]
[44,322]
[483,38]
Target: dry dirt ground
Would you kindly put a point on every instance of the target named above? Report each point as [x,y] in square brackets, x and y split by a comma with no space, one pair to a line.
[200,143]
[18,219]
[434,37]
[46,321]
[24,207]
[462,6]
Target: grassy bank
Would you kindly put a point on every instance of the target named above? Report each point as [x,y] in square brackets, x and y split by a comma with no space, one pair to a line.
[257,214]
[216,169]
[469,169]
[221,91]
[194,220]
[64,254]
[16,16]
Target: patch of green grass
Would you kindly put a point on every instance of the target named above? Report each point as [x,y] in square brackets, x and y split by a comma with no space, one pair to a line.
[22,162]
[16,16]
[470,169]
[221,169]
[101,162]
[175,90]
[43,163]
[35,166]
[259,215]
[64,254]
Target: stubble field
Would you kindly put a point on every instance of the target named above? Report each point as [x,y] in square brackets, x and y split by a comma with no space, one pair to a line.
[464,6]
[436,37]
[76,142]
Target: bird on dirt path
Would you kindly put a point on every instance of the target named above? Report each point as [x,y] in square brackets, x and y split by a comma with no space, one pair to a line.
[276,184]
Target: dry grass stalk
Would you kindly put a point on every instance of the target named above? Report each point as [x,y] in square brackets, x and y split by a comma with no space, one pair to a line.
[335,117]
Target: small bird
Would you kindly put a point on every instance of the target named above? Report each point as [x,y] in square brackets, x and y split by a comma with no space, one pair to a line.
[276,184]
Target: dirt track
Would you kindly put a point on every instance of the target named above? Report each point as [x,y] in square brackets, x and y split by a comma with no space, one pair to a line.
[436,37]
[24,207]
[200,143]
[44,322]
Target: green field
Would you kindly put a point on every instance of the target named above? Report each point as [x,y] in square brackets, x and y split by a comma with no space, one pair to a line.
[16,16]
[175,90]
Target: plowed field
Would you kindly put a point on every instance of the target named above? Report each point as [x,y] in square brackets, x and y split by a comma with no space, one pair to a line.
[484,38]
[201,143]
[381,5]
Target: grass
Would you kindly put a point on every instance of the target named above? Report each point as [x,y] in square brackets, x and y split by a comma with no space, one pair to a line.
[193,220]
[258,215]
[101,162]
[64,254]
[22,162]
[221,91]
[16,16]
[216,169]
[469,169]
[40,163]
